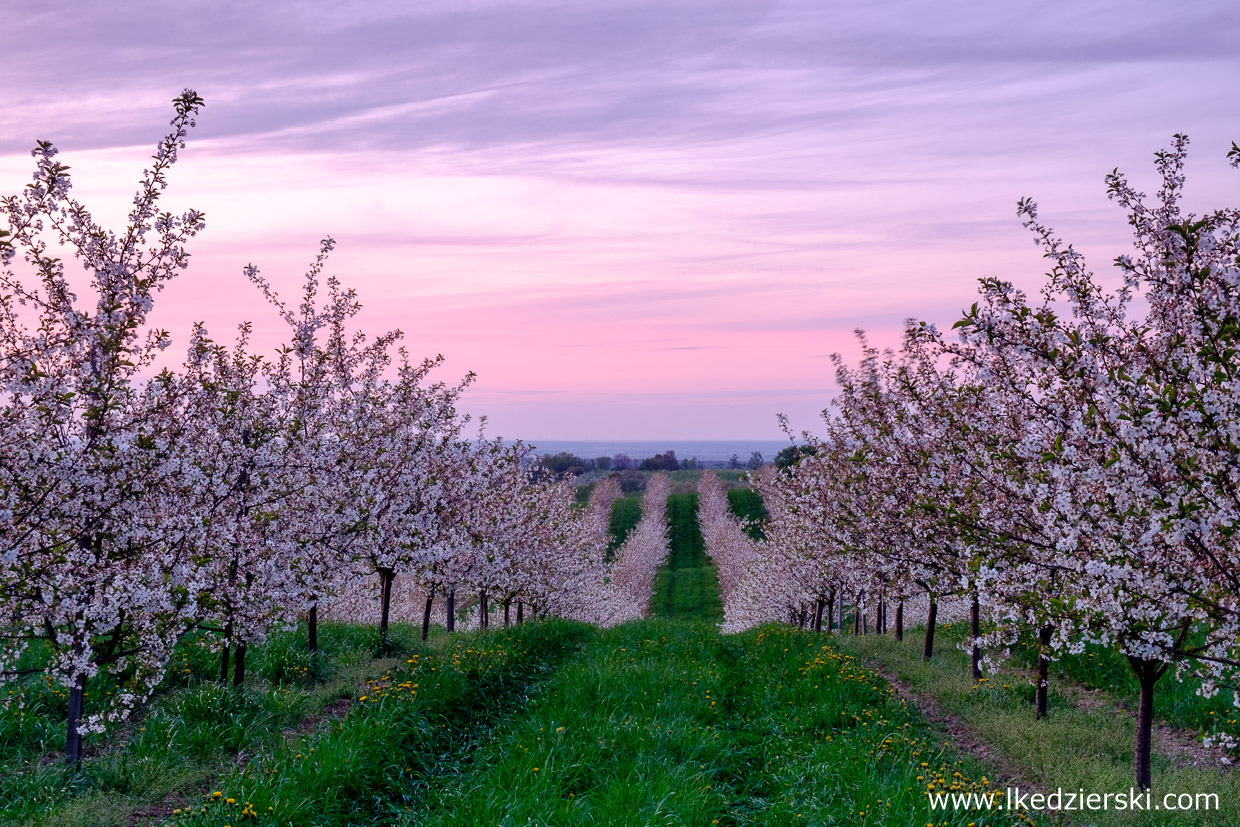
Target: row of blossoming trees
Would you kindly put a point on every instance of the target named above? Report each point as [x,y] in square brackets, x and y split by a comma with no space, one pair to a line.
[237,492]
[1066,466]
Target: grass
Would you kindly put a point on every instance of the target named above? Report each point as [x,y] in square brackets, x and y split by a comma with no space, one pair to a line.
[747,504]
[194,731]
[1179,703]
[686,587]
[659,721]
[626,513]
[667,722]
[371,767]
[1074,748]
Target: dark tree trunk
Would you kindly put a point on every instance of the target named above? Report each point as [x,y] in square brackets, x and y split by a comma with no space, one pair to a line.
[1148,672]
[312,629]
[426,614]
[865,620]
[975,630]
[841,623]
[520,612]
[506,621]
[1044,641]
[224,651]
[900,621]
[224,663]
[386,576]
[927,649]
[818,607]
[856,620]
[239,665]
[830,608]
[451,610]
[880,616]
[484,621]
[73,722]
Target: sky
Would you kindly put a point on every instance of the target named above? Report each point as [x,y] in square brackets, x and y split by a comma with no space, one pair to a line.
[632,220]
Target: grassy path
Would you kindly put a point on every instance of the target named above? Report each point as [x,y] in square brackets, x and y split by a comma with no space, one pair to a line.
[686,588]
[626,513]
[1083,744]
[667,722]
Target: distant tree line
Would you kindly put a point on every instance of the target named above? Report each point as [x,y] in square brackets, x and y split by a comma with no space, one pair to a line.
[565,465]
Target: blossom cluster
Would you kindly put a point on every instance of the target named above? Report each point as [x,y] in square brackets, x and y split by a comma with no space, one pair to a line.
[1068,462]
[236,492]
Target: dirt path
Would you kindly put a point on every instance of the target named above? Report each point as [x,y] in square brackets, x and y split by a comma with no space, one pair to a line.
[957,731]
[1176,743]
[1179,745]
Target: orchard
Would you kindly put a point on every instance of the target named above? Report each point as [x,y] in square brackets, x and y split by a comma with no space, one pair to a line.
[242,491]
[1053,483]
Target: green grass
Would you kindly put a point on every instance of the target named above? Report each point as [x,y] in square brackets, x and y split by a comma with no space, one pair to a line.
[1176,702]
[667,722]
[626,513]
[194,731]
[373,766]
[549,722]
[747,504]
[686,587]
[1074,748]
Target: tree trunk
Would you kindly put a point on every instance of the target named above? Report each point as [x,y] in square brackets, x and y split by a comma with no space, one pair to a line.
[841,624]
[386,576]
[451,610]
[856,620]
[484,619]
[927,649]
[830,608]
[1044,641]
[312,629]
[865,619]
[506,621]
[880,616]
[224,663]
[520,612]
[818,607]
[1148,672]
[239,665]
[426,614]
[224,652]
[975,630]
[73,720]
[900,621]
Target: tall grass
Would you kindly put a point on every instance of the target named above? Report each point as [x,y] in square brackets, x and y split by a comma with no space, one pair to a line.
[686,587]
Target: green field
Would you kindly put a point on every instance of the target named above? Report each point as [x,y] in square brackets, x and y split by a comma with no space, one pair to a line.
[746,503]
[686,588]
[626,513]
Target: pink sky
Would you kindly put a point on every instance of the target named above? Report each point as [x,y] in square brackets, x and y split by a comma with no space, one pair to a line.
[632,220]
